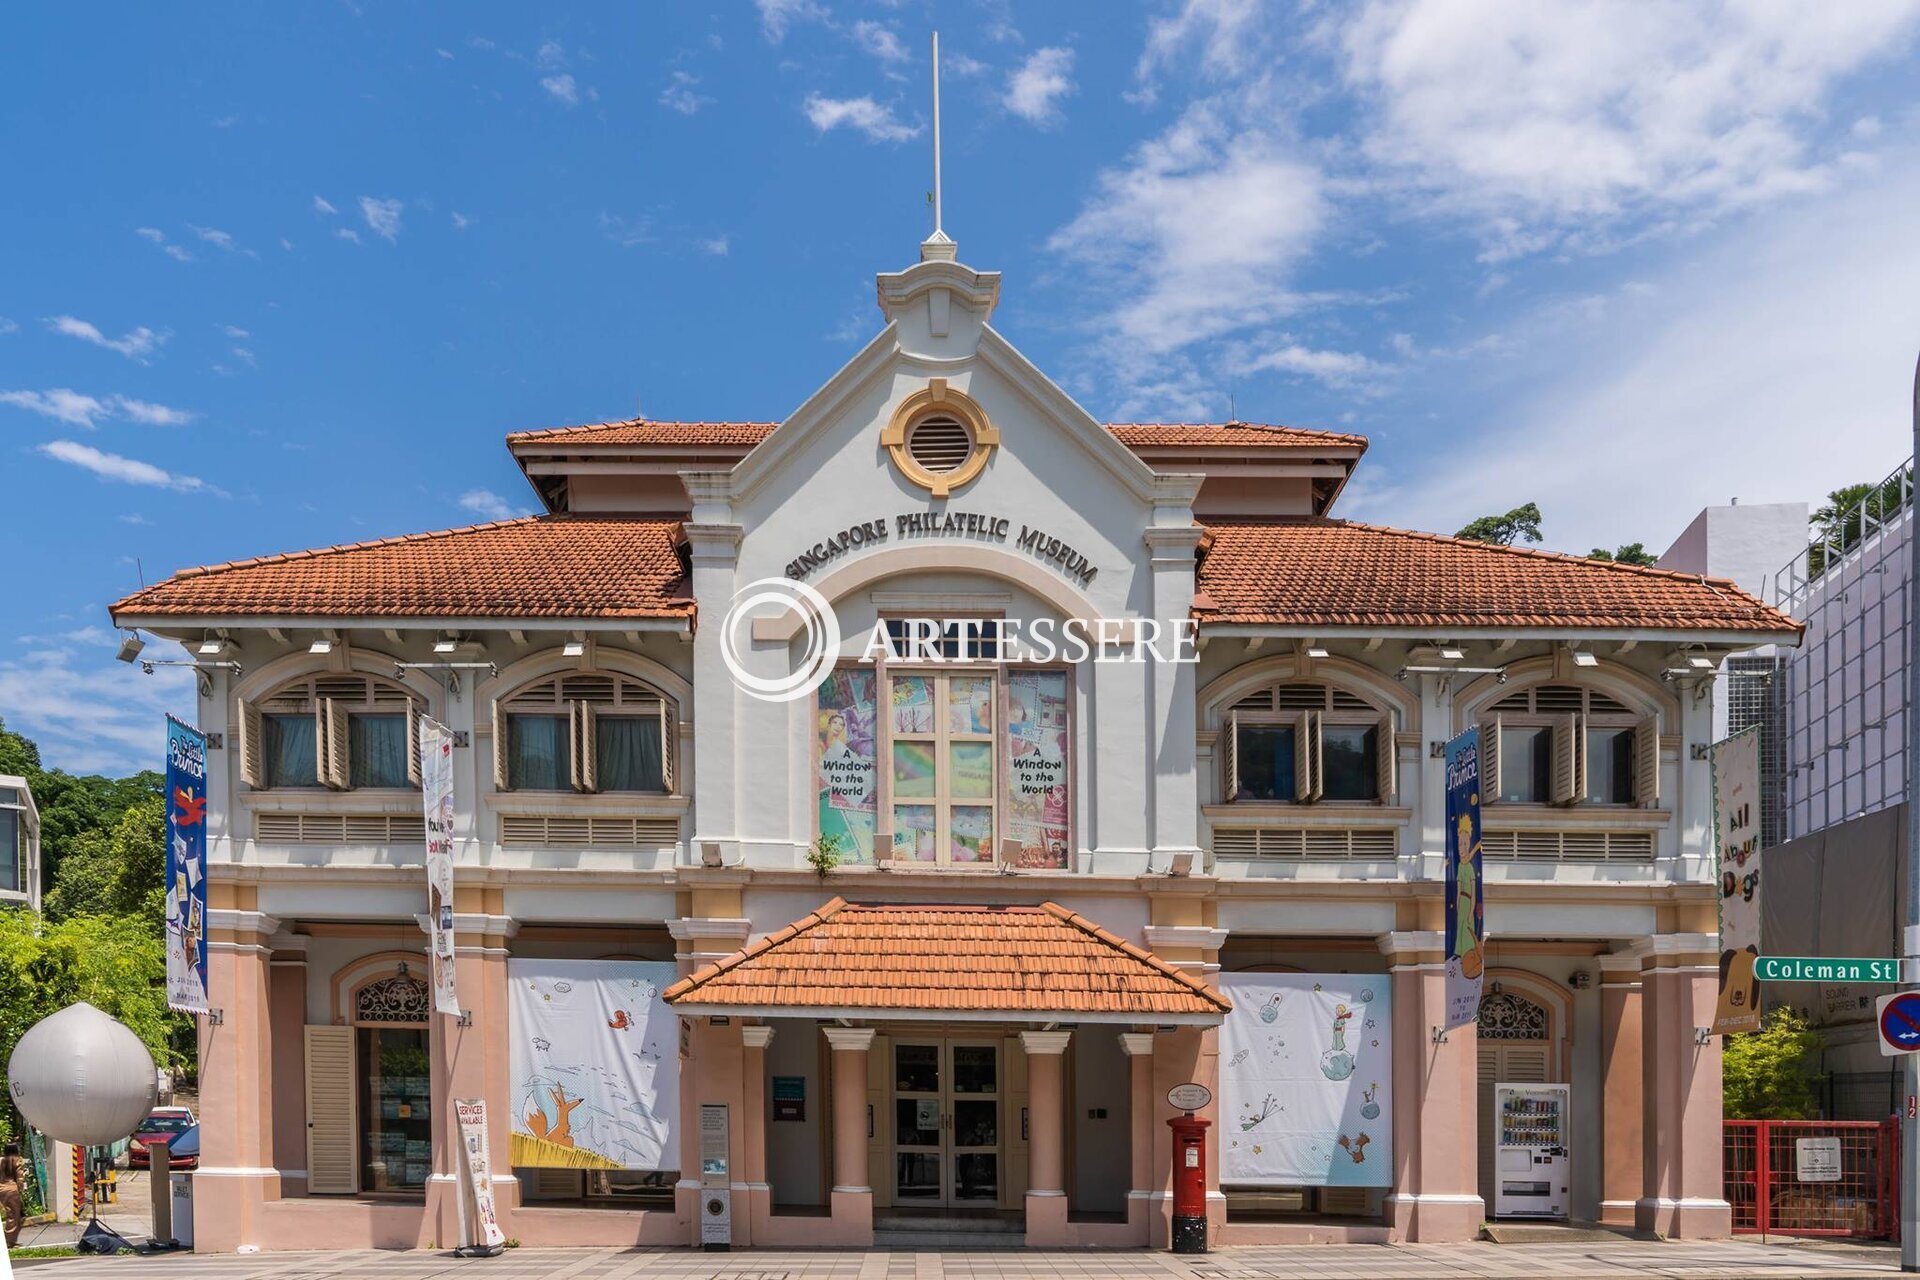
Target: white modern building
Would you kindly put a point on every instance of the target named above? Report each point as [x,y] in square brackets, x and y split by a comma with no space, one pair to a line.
[19,844]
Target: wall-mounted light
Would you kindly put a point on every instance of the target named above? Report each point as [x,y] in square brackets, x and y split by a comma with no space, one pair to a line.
[573,648]
[1700,662]
[445,644]
[1583,658]
[130,646]
[710,854]
[1181,865]
[1316,651]
[213,646]
[321,645]
[1452,654]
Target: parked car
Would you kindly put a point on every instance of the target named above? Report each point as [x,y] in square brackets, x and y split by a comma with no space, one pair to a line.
[161,1122]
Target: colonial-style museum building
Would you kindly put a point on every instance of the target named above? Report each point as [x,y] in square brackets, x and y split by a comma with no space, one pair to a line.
[931,943]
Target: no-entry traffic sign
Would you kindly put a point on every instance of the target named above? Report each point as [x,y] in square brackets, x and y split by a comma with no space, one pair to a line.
[1899,1023]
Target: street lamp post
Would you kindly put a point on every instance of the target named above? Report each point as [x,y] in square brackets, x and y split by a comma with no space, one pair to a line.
[1909,1126]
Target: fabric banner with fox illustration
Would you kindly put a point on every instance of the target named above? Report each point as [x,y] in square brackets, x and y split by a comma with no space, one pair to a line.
[1306,1080]
[595,1065]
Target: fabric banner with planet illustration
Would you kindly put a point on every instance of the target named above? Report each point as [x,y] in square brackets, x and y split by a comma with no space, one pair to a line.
[595,1065]
[1306,1080]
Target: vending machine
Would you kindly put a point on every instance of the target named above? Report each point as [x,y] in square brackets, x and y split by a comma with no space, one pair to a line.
[1531,1169]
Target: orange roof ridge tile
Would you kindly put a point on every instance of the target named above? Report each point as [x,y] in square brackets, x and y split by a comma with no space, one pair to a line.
[1137,952]
[731,424]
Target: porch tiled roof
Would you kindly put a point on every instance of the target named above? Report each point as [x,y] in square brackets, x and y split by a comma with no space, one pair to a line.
[1335,573]
[962,961]
[643,432]
[551,566]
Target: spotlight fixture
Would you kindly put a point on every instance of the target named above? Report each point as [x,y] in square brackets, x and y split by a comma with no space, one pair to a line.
[130,646]
[1181,865]
[1700,662]
[1582,658]
[1316,651]
[573,648]
[710,854]
[445,644]
[1451,653]
[321,645]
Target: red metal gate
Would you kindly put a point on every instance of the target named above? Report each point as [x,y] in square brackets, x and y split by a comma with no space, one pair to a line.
[1763,1165]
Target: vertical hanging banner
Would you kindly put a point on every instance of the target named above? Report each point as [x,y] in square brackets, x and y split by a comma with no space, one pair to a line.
[1736,832]
[186,868]
[1466,911]
[472,1115]
[436,785]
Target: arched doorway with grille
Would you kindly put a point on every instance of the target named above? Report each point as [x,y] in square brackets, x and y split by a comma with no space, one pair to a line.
[1525,1029]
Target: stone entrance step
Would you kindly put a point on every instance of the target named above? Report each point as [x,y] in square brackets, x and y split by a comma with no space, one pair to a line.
[1554,1233]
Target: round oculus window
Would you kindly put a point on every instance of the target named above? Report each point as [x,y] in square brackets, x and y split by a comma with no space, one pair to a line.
[940,444]
[939,438]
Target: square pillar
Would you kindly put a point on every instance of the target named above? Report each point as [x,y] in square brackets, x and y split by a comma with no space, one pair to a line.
[1682,1196]
[852,1195]
[287,1016]
[753,1128]
[1144,1180]
[1046,1139]
[1436,1196]
[1621,1111]
[236,1124]
[471,1062]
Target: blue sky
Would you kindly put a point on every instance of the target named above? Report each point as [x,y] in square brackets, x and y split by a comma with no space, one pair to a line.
[282,276]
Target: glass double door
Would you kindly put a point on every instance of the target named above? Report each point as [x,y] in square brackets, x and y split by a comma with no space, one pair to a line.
[946,1123]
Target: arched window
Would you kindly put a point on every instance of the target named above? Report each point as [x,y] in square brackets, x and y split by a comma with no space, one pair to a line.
[1304,741]
[1566,744]
[332,730]
[1506,1016]
[588,731]
[402,998]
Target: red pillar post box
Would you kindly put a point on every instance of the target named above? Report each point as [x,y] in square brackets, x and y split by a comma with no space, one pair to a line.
[1189,1183]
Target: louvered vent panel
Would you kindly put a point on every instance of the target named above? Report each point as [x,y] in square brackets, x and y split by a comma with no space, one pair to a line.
[1567,846]
[336,828]
[630,833]
[1297,843]
[385,695]
[1261,701]
[1344,701]
[1512,702]
[1557,699]
[1303,697]
[587,688]
[939,444]
[344,688]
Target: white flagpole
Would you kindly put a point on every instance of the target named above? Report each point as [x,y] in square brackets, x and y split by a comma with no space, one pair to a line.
[936,134]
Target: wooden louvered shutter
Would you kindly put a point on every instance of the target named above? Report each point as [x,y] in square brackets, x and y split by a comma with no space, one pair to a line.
[1230,760]
[331,1125]
[1490,760]
[336,771]
[1646,762]
[669,730]
[585,775]
[1569,753]
[1386,763]
[413,742]
[1307,774]
[253,769]
[500,779]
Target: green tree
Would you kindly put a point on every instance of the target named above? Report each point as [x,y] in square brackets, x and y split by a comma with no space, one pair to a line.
[120,873]
[1765,1074]
[70,804]
[1522,524]
[1625,553]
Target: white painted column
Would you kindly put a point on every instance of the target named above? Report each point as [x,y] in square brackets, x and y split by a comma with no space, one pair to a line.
[1173,712]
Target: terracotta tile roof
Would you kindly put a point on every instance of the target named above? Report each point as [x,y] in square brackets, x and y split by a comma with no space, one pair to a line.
[1136,435]
[1335,573]
[966,961]
[640,431]
[552,566]
[1213,435]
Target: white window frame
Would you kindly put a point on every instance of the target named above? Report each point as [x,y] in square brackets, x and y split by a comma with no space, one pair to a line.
[631,698]
[1568,738]
[1309,745]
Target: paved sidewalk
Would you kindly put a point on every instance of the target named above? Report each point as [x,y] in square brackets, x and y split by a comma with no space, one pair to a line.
[1629,1258]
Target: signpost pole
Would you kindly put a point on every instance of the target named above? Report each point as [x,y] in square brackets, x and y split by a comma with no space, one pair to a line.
[1910,1129]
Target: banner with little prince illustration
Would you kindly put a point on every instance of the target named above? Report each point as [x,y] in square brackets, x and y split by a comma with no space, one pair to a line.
[1306,1080]
[1466,913]
[186,832]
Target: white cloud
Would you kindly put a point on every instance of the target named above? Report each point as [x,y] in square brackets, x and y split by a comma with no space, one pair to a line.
[8,326]
[348,234]
[681,94]
[879,40]
[489,505]
[1220,38]
[112,466]
[551,54]
[383,217]
[1773,365]
[562,87]
[62,404]
[221,240]
[960,66]
[322,205]
[1338,369]
[1548,123]
[1867,127]
[1037,85]
[150,414]
[861,114]
[234,331]
[137,344]
[461,221]
[778,16]
[718,246]
[626,232]
[87,712]
[156,236]
[1198,232]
